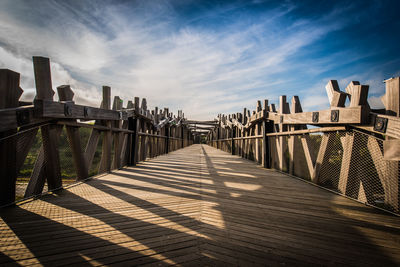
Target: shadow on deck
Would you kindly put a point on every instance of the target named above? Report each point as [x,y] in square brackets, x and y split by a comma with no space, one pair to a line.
[197,206]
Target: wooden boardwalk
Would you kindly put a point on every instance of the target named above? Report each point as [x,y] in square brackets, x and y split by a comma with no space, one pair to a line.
[197,206]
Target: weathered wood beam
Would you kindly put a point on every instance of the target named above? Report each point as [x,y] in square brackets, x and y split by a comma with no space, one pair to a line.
[66,94]
[51,109]
[10,93]
[105,162]
[350,115]
[336,97]
[292,140]
[325,141]
[44,91]
[388,173]
[391,99]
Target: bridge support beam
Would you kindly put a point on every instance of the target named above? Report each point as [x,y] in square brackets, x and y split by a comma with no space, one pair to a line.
[233,134]
[134,126]
[266,127]
[167,139]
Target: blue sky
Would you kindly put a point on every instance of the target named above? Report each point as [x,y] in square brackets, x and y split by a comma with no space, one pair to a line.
[205,57]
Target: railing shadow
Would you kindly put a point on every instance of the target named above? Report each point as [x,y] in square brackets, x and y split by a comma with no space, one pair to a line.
[304,230]
[201,205]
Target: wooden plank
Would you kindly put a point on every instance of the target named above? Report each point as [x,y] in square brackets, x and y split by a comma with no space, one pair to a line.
[348,145]
[358,94]
[51,109]
[91,148]
[266,153]
[118,137]
[10,93]
[143,145]
[282,144]
[37,179]
[233,134]
[349,115]
[51,156]
[292,140]
[388,173]
[105,162]
[325,141]
[44,91]
[134,125]
[305,140]
[38,175]
[159,214]
[66,94]
[336,97]
[391,150]
[391,99]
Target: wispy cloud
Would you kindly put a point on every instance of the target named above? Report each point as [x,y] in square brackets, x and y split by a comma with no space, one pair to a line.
[146,50]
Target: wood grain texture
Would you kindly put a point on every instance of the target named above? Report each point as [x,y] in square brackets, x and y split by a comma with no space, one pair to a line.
[197,207]
[105,162]
[66,94]
[336,97]
[391,99]
[44,89]
[10,93]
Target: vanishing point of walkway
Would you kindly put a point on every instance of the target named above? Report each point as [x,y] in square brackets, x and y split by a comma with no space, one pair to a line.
[197,206]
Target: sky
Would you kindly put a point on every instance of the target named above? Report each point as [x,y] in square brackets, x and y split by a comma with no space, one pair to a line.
[203,57]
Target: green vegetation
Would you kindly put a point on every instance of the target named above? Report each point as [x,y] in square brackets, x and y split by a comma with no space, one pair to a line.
[67,167]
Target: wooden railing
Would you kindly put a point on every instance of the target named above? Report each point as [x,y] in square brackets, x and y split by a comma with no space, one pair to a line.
[353,150]
[115,135]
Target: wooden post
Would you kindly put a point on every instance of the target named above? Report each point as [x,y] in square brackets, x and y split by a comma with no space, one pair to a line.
[44,91]
[391,99]
[167,139]
[10,93]
[283,109]
[144,138]
[105,162]
[232,140]
[292,142]
[336,97]
[218,134]
[134,126]
[182,137]
[65,94]
[266,158]
[325,141]
[117,105]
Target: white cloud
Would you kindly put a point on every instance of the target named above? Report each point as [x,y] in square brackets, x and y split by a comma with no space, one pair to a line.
[202,71]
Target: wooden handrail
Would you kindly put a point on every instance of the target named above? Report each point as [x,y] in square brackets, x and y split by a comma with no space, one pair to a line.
[127,134]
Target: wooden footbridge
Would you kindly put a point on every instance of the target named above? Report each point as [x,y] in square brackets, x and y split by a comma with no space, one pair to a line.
[127,186]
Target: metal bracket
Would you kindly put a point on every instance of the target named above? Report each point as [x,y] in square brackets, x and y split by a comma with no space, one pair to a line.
[22,117]
[334,115]
[315,116]
[68,109]
[380,124]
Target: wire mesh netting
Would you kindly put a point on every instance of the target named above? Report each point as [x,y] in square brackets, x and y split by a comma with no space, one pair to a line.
[350,163]
[31,162]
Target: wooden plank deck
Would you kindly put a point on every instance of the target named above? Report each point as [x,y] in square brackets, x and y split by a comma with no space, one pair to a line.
[196,207]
